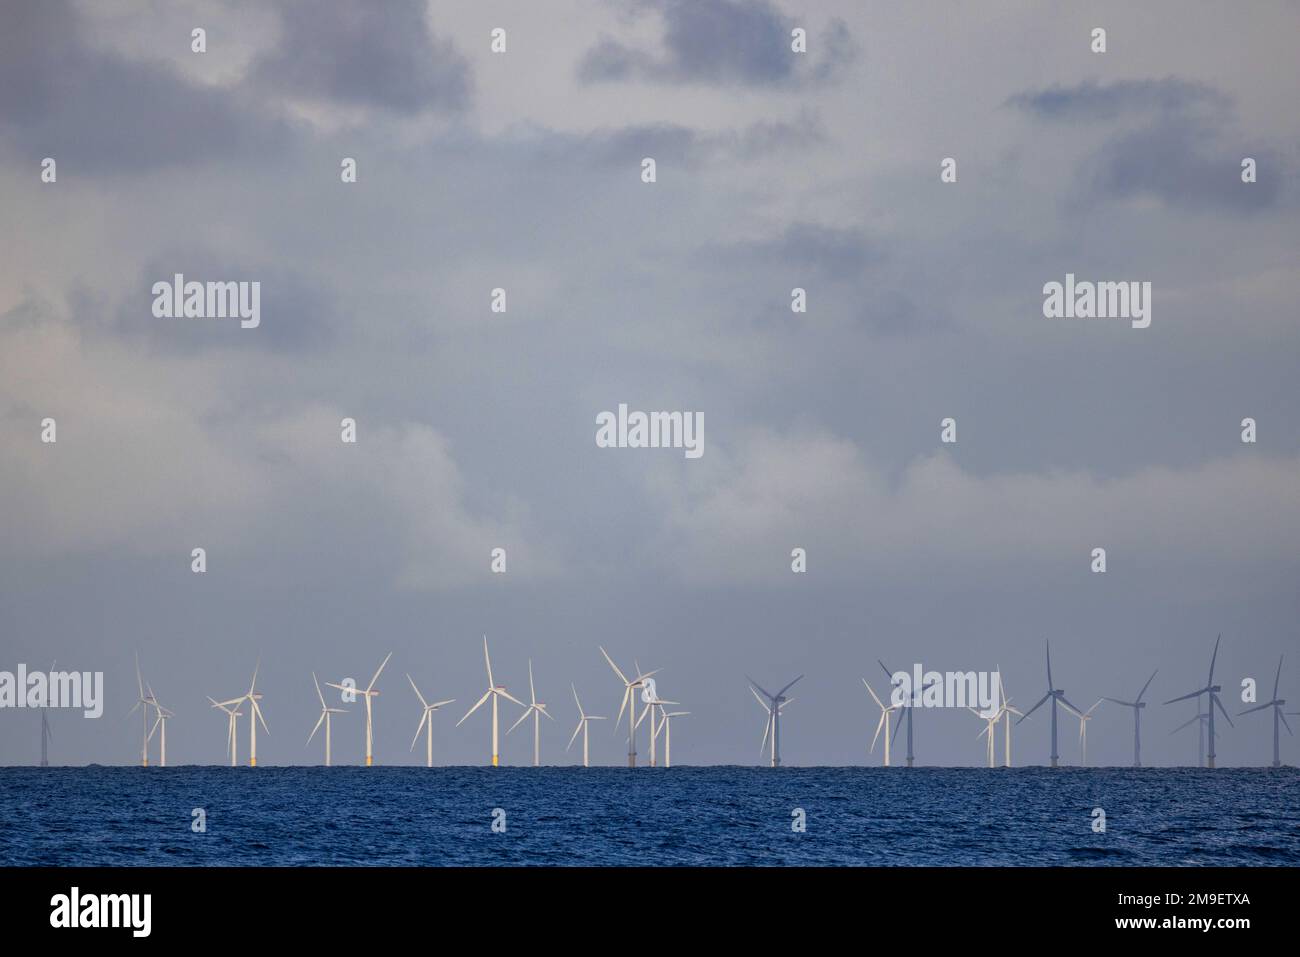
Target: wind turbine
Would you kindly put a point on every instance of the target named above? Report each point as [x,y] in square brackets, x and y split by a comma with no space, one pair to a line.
[1276,705]
[326,713]
[1056,695]
[232,713]
[1212,690]
[990,728]
[583,718]
[651,697]
[773,706]
[1200,720]
[252,696]
[1007,710]
[629,689]
[494,692]
[46,736]
[1137,704]
[426,719]
[368,694]
[1084,717]
[665,725]
[885,712]
[536,709]
[160,725]
[147,703]
[905,710]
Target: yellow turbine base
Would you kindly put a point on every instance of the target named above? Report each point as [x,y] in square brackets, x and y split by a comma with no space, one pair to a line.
[252,762]
[494,760]
[368,760]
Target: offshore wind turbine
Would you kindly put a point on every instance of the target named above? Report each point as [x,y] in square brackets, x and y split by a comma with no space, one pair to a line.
[1057,696]
[1084,717]
[1276,705]
[368,695]
[46,736]
[494,692]
[990,730]
[583,718]
[326,712]
[426,719]
[232,714]
[629,690]
[665,725]
[146,703]
[160,725]
[1199,718]
[773,705]
[1137,704]
[905,710]
[885,712]
[1212,690]
[252,696]
[1007,710]
[652,701]
[536,709]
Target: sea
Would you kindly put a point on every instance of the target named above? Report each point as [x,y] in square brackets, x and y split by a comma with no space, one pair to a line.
[609,816]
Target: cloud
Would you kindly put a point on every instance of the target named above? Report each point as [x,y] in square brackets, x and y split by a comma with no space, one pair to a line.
[1171,143]
[724,42]
[95,111]
[358,55]
[737,520]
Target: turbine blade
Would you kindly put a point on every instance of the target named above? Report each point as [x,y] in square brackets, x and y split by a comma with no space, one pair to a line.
[1192,720]
[418,728]
[1127,704]
[532,693]
[378,671]
[575,735]
[319,722]
[1213,657]
[627,693]
[486,695]
[575,700]
[507,694]
[438,704]
[1050,686]
[1278,677]
[1282,715]
[872,693]
[417,691]
[1222,710]
[1192,694]
[767,727]
[1258,707]
[760,700]
[1070,706]
[1035,707]
[787,687]
[760,687]
[879,724]
[1147,685]
[621,677]
[488,661]
[520,721]
[318,691]
[257,710]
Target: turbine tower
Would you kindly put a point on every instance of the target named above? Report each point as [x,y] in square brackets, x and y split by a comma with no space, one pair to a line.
[1137,704]
[46,736]
[494,692]
[885,712]
[160,725]
[326,712]
[369,694]
[536,709]
[1084,717]
[1212,690]
[232,714]
[1057,696]
[773,705]
[426,719]
[1006,711]
[629,689]
[665,725]
[1199,718]
[1276,705]
[583,718]
[990,728]
[145,703]
[652,701]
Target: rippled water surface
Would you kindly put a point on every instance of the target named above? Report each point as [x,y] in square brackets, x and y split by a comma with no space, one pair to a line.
[717,815]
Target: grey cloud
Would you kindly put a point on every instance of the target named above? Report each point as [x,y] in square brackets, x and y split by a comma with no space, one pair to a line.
[1093,101]
[721,42]
[94,111]
[367,56]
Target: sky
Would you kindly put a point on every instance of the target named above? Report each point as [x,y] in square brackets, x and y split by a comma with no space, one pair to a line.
[475,430]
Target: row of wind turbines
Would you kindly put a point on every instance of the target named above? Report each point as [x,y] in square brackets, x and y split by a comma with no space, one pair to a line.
[1055,698]
[660,718]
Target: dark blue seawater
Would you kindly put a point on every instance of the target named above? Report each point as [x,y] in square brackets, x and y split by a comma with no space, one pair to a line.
[602,816]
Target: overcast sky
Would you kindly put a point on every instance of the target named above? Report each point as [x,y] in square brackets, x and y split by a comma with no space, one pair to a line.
[476,430]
